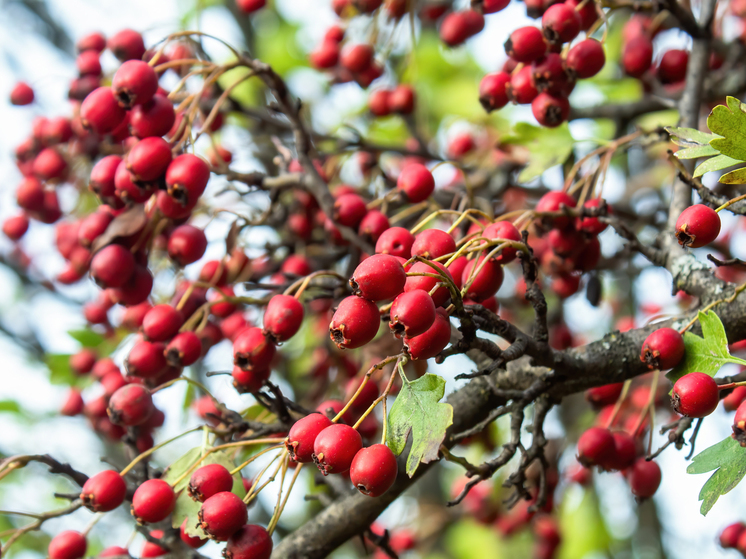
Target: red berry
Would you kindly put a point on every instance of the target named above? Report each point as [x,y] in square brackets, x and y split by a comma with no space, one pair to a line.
[605,395]
[378,102]
[493,92]
[104,492]
[378,277]
[730,535]
[127,45]
[130,405]
[355,323]
[552,202]
[373,470]
[697,226]
[644,478]
[412,313]
[561,23]
[526,44]
[137,288]
[373,225]
[596,447]
[153,118]
[493,6]
[88,63]
[82,362]
[487,278]
[663,349]
[326,55]
[102,176]
[250,6]
[112,266]
[153,501]
[396,241]
[148,159]
[588,14]
[249,542]
[734,399]
[209,480]
[549,75]
[507,231]
[15,227]
[186,244]
[416,182]
[356,58]
[50,165]
[625,452]
[335,447]
[195,542]
[30,195]
[460,145]
[474,21]
[302,435]
[549,110]
[401,99]
[184,349]
[586,59]
[146,359]
[252,351]
[93,41]
[67,545]
[521,88]
[672,67]
[296,266]
[114,551]
[186,179]
[150,549]
[739,424]
[22,94]
[93,225]
[432,341]
[427,282]
[101,112]
[283,317]
[161,323]
[592,225]
[73,404]
[349,210]
[637,56]
[695,395]
[432,244]
[455,28]
[134,83]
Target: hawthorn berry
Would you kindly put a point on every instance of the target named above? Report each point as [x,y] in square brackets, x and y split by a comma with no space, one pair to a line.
[137,288]
[600,396]
[127,45]
[186,244]
[525,44]
[493,6]
[695,395]
[412,313]
[302,436]
[161,323]
[373,225]
[637,56]
[355,322]
[672,66]
[549,75]
[252,350]
[734,399]
[153,501]
[250,6]
[104,492]
[373,470]
[592,225]
[730,535]
[184,349]
[222,514]
[134,83]
[625,452]
[561,23]
[663,349]
[378,102]
[585,59]
[356,58]
[146,359]
[335,448]
[507,231]
[552,202]
[112,266]
[67,545]
[378,277]
[130,405]
[522,89]
[432,244]
[416,182]
[15,227]
[396,241]
[326,55]
[114,551]
[82,362]
[432,341]
[493,91]
[154,118]
[101,112]
[401,99]
[427,282]
[150,549]
[349,210]
[21,94]
[644,478]
[195,542]
[596,447]
[283,317]
[697,226]
[455,28]
[484,277]
[249,542]
[73,403]
[49,165]
[148,159]
[550,110]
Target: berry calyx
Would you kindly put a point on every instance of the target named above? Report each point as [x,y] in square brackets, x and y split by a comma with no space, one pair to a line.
[302,436]
[373,470]
[335,448]
[104,492]
[561,23]
[209,480]
[550,110]
[253,351]
[525,44]
[183,350]
[412,313]
[130,405]
[355,323]
[134,83]
[695,395]
[493,92]
[283,317]
[697,226]
[663,349]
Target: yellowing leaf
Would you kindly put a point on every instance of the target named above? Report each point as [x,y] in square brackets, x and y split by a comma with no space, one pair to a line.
[734,177]
[730,123]
[717,163]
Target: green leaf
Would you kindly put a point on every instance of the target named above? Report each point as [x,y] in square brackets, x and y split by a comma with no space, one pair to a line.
[705,354]
[689,137]
[417,410]
[729,460]
[547,147]
[187,508]
[696,152]
[734,177]
[10,406]
[179,468]
[717,163]
[730,123]
[86,337]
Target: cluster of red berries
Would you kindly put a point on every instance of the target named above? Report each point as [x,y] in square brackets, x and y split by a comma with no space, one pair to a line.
[733,536]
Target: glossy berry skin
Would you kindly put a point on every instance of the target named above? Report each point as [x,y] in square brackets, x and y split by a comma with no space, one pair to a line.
[127,45]
[302,436]
[522,89]
[249,381]
[222,515]
[625,452]
[672,67]
[644,478]
[549,110]
[22,94]
[148,159]
[101,112]
[730,534]
[161,323]
[586,59]
[186,244]
[396,241]
[154,118]
[374,470]
[697,226]
[130,405]
[433,243]
[373,225]
[146,359]
[588,15]
[637,56]
[186,179]
[487,278]
[153,501]
[355,323]
[412,313]
[15,227]
[356,58]
[378,277]
[493,92]
[416,182]
[503,230]
[104,492]
[427,283]
[402,99]
[184,349]
[525,44]
[455,29]
[734,399]
[134,83]
[67,545]
[561,23]
[195,542]
[349,210]
[553,202]
[433,341]
[596,447]
[663,349]
[112,266]
[549,75]
[249,542]
[150,549]
[335,447]
[283,317]
[250,6]
[253,351]
[600,396]
[695,395]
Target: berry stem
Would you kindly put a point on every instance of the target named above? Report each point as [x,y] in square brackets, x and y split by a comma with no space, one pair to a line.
[275,518]
[376,367]
[253,492]
[381,398]
[729,202]
[619,402]
[303,283]
[241,466]
[275,515]
[731,385]
[96,517]
[730,299]
[150,451]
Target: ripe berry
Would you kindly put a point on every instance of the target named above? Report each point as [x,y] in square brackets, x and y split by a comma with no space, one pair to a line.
[335,447]
[154,118]
[600,396]
[112,266]
[412,313]
[134,83]
[130,405]
[455,29]
[104,492]
[153,501]
[82,362]
[637,56]
[525,44]
[222,515]
[73,404]
[184,349]
[625,452]
[427,282]
[302,435]
[552,202]
[249,542]
[549,75]
[161,323]
[15,227]
[644,478]
[730,534]
[561,23]
[186,244]
[137,288]
[432,244]
[734,399]
[588,15]
[503,230]
[148,159]
[22,94]
[101,112]
[253,351]
[596,447]
[695,395]
[373,225]
[396,241]
[663,349]
[697,226]
[355,323]
[493,93]
[493,6]
[433,341]
[373,470]
[93,225]
[50,165]
[102,176]
[250,6]
[739,424]
[146,359]
[93,41]
[326,55]
[195,542]
[186,179]
[356,58]
[283,317]
[349,210]
[378,277]
[67,545]
[127,45]
[401,99]
[549,110]
[114,551]
[487,278]
[150,549]
[415,182]
[521,88]
[30,195]
[378,102]
[249,381]
[672,67]
[592,225]
[585,59]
